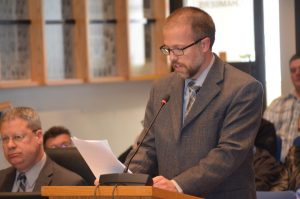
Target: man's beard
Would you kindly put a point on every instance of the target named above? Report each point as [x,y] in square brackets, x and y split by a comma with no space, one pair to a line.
[184,71]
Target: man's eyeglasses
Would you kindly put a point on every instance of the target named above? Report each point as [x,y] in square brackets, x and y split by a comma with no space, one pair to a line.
[16,138]
[63,145]
[177,51]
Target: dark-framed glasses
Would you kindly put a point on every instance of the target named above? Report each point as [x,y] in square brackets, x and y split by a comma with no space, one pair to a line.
[178,51]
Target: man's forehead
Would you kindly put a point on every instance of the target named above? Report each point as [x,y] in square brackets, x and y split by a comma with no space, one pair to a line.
[295,63]
[16,121]
[173,25]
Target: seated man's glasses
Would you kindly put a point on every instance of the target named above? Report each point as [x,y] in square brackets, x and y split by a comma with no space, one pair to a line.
[15,138]
[177,51]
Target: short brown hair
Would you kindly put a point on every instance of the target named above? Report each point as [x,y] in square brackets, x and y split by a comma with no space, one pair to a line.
[25,113]
[201,22]
[54,132]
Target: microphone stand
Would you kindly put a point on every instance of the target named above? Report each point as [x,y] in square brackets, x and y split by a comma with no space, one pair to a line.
[126,178]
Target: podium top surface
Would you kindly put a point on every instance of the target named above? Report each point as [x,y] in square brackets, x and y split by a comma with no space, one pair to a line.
[106,191]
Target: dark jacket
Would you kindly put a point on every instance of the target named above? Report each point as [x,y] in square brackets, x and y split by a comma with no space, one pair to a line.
[51,175]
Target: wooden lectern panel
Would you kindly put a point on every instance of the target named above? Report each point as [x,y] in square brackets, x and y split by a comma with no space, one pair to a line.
[106,192]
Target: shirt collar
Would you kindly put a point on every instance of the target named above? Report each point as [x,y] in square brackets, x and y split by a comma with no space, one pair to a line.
[33,173]
[292,94]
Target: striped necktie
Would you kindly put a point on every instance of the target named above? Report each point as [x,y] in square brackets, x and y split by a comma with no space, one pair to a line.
[22,182]
[193,89]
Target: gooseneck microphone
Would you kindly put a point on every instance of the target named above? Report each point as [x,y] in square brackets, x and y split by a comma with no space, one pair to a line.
[126,178]
[163,103]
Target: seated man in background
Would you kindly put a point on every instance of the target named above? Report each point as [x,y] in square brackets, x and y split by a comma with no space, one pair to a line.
[267,168]
[22,142]
[57,137]
[266,137]
[284,111]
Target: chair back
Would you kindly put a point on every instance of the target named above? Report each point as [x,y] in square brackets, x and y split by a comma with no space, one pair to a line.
[275,195]
[278,148]
[297,141]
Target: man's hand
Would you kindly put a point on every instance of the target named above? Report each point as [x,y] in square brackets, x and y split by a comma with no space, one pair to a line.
[96,182]
[164,183]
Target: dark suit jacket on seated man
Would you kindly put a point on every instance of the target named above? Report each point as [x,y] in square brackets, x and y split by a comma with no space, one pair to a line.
[208,151]
[22,142]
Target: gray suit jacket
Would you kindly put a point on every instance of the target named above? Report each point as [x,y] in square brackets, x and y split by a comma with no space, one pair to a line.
[51,175]
[210,155]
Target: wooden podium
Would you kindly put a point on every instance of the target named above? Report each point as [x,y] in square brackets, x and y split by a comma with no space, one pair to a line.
[106,192]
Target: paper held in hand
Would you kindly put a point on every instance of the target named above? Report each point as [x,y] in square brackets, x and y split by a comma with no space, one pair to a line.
[99,156]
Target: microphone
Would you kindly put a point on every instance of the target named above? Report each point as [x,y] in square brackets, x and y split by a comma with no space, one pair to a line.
[126,178]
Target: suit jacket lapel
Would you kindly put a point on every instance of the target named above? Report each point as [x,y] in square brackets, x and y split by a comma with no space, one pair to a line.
[45,176]
[9,180]
[208,91]
[176,102]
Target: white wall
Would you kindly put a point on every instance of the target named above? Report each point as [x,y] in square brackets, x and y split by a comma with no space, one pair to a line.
[110,111]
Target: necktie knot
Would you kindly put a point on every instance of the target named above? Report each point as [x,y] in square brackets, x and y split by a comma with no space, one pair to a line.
[22,182]
[193,89]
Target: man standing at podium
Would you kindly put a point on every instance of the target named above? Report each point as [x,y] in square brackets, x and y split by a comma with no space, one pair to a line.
[22,142]
[202,141]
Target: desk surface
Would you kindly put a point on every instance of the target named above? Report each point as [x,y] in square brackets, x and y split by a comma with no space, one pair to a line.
[108,191]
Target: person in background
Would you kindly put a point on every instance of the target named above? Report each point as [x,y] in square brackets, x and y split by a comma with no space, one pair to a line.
[57,137]
[202,141]
[284,112]
[266,137]
[267,168]
[123,156]
[22,142]
[290,175]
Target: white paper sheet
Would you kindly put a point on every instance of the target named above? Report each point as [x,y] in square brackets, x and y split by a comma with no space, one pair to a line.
[99,156]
